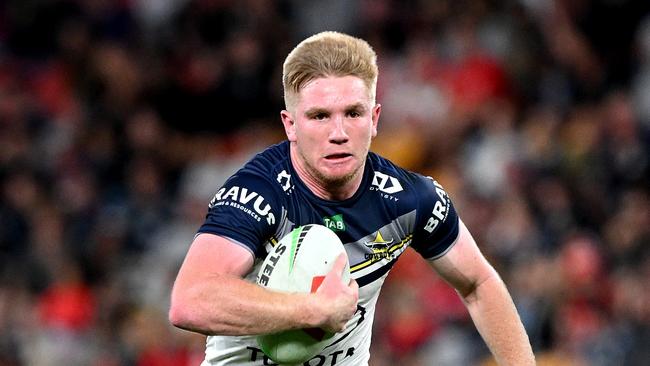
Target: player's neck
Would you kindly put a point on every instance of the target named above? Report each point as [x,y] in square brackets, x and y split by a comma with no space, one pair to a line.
[330,192]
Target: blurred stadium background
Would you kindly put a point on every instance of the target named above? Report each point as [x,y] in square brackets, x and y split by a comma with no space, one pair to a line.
[120,119]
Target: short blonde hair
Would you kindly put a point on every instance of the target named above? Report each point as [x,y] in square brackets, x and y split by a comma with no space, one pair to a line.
[328,54]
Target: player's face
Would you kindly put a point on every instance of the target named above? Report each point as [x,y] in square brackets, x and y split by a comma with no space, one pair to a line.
[331,127]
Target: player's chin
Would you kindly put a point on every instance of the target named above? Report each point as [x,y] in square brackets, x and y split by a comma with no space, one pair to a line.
[339,168]
[339,175]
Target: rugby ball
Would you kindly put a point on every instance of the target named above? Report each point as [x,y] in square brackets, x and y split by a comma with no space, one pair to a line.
[299,263]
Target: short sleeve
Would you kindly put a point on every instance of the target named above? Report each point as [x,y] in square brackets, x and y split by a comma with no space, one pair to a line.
[246,210]
[437,220]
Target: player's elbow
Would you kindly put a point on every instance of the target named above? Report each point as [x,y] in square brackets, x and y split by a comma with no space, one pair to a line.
[177,316]
[469,293]
[180,311]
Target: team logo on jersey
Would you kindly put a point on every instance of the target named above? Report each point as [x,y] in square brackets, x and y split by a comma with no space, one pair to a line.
[379,243]
[284,179]
[381,248]
[386,185]
[240,197]
[334,223]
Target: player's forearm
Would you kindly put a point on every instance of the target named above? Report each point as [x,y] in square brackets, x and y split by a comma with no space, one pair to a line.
[496,319]
[228,305]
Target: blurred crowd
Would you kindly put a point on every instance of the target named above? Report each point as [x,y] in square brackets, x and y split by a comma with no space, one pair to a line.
[119,119]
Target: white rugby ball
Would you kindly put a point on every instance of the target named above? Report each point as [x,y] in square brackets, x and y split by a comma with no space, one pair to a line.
[298,263]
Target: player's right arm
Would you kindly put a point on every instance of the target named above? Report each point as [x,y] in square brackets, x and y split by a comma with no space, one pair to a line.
[211,297]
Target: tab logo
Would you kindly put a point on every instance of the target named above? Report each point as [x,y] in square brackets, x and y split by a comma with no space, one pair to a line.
[334,223]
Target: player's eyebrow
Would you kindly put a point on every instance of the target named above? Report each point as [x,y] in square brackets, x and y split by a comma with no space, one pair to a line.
[312,112]
[357,107]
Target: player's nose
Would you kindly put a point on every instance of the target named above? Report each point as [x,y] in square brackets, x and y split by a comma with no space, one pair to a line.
[338,133]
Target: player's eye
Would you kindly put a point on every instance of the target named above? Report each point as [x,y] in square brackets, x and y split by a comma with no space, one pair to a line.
[320,116]
[354,114]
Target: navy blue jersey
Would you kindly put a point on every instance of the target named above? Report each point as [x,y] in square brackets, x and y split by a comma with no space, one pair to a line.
[393,209]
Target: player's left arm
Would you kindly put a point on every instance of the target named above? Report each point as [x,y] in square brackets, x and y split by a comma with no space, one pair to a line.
[487,299]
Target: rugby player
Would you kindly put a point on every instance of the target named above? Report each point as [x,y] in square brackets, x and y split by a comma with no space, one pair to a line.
[324,173]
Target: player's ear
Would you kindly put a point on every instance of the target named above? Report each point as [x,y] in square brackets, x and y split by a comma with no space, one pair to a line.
[289,125]
[376,111]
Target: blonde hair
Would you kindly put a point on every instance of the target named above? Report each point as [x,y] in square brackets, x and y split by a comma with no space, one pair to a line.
[328,54]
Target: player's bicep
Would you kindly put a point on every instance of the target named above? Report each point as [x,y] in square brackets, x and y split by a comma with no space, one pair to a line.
[463,266]
[211,255]
[200,280]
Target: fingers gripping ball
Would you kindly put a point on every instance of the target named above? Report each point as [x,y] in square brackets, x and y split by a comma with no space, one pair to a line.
[299,263]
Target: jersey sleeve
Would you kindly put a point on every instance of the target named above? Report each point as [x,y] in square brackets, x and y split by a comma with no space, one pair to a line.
[245,210]
[437,221]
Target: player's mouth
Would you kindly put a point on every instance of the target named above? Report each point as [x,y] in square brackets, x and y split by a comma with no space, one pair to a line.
[337,157]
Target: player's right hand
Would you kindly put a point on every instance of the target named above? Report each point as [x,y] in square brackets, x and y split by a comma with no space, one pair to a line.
[337,300]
